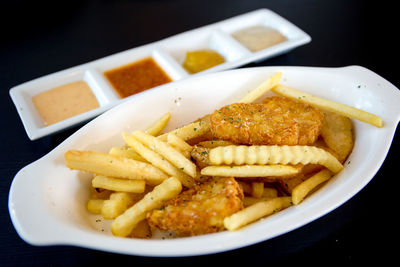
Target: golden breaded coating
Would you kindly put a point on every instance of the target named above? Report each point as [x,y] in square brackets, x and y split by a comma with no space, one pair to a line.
[307,117]
[276,121]
[200,156]
[337,132]
[199,210]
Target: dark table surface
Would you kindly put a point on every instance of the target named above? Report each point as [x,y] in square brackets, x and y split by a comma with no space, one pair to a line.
[40,38]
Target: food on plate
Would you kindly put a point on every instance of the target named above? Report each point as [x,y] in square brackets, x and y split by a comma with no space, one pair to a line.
[125,152]
[248,171]
[200,60]
[168,152]
[113,166]
[257,189]
[337,132]
[258,37]
[124,224]
[256,211]
[65,101]
[305,187]
[137,77]
[329,105]
[190,131]
[95,205]
[223,171]
[116,205]
[276,121]
[119,185]
[159,125]
[306,117]
[199,154]
[179,144]
[199,210]
[240,155]
[263,88]
[158,161]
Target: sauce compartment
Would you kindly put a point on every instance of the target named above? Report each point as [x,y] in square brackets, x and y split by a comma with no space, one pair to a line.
[137,77]
[278,24]
[169,54]
[65,101]
[205,39]
[40,90]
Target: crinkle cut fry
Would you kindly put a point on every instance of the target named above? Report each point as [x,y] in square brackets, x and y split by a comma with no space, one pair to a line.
[239,155]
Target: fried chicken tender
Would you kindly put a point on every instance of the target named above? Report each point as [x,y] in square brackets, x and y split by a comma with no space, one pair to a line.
[276,121]
[199,210]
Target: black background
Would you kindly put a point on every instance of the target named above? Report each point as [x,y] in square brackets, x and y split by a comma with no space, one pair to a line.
[42,37]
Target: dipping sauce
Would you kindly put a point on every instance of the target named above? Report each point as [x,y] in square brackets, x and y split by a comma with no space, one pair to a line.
[200,60]
[257,38]
[137,77]
[64,102]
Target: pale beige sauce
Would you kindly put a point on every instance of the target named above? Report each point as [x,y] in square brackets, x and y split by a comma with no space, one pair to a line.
[64,102]
[257,38]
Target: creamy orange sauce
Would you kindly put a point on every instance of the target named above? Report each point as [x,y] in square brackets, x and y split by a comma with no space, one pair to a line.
[257,38]
[137,77]
[64,102]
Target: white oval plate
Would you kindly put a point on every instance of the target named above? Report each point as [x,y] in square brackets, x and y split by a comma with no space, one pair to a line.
[47,200]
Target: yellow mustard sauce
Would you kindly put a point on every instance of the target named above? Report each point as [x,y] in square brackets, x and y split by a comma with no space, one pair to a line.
[200,60]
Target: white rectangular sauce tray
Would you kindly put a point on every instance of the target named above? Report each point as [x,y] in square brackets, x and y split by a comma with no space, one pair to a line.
[168,53]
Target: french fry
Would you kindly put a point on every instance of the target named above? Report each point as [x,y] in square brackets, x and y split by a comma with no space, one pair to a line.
[95,205]
[120,185]
[179,144]
[288,185]
[214,143]
[116,205]
[329,105]
[248,201]
[124,224]
[159,125]
[125,152]
[247,171]
[269,192]
[257,189]
[301,190]
[168,152]
[255,212]
[262,88]
[190,131]
[158,161]
[113,166]
[239,155]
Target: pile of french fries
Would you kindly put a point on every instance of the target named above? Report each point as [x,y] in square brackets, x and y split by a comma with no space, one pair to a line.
[130,181]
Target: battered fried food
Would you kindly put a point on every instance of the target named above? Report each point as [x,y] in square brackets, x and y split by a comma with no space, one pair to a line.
[200,156]
[276,121]
[199,210]
[337,132]
[308,118]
